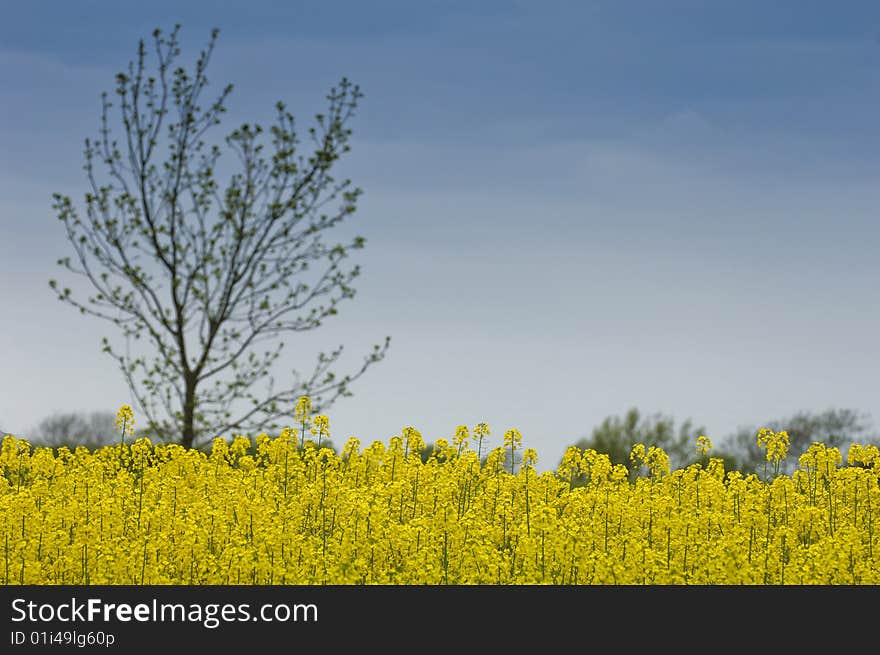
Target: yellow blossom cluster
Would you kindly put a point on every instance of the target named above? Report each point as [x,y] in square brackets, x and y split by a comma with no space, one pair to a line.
[285,510]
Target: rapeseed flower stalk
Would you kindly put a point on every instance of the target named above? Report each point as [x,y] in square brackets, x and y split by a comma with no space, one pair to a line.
[570,465]
[657,461]
[653,458]
[414,441]
[512,440]
[462,436]
[321,428]
[125,421]
[481,431]
[704,445]
[776,444]
[301,414]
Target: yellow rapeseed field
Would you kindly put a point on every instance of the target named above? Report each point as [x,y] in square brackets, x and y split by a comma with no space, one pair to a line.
[287,510]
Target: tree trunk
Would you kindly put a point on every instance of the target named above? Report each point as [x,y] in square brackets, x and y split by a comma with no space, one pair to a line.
[189,410]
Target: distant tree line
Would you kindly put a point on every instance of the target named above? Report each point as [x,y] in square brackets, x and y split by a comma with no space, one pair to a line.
[74,429]
[614,436]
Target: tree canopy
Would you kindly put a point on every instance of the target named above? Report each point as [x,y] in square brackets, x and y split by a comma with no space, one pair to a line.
[203,274]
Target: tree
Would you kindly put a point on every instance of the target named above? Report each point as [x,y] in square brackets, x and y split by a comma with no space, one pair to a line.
[76,429]
[835,428]
[616,436]
[205,273]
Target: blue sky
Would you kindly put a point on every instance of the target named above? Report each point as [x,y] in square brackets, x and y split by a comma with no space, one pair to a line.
[571,208]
